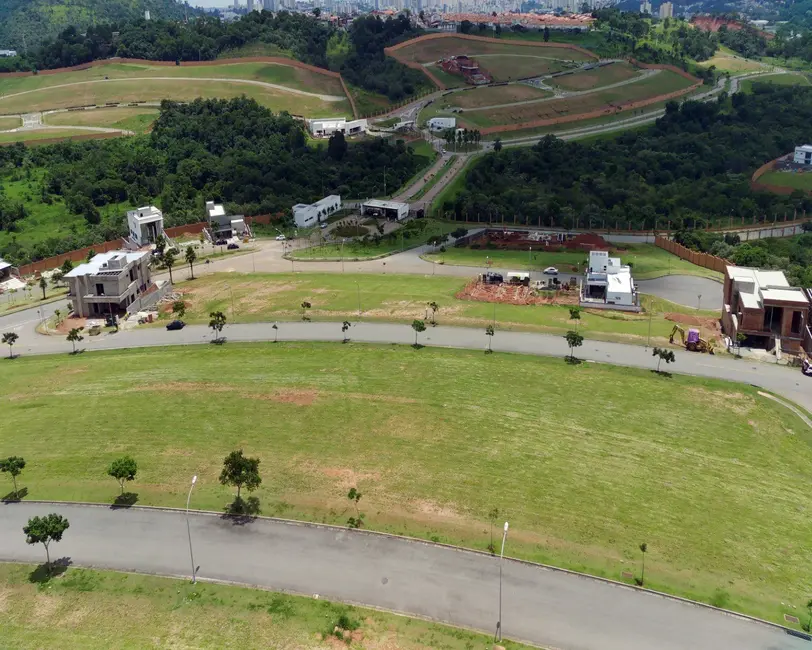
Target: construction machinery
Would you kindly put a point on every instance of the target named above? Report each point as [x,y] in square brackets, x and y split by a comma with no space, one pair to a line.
[692,341]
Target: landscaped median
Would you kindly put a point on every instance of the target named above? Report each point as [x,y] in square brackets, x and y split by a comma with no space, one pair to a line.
[87,609]
[251,298]
[587,461]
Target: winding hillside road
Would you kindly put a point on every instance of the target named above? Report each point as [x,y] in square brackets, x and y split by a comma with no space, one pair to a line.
[554,609]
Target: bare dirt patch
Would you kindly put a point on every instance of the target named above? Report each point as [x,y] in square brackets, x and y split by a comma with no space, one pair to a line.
[711,324]
[69,323]
[292,396]
[347,478]
[515,294]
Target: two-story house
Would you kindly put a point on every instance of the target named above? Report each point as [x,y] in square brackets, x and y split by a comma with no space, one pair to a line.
[108,283]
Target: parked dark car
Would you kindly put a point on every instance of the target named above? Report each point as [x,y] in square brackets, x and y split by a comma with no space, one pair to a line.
[232,247]
[176,325]
[220,242]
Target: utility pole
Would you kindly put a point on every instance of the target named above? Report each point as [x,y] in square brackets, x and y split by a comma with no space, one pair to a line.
[501,557]
[384,182]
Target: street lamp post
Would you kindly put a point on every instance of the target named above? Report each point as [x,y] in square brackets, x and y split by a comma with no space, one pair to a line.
[189,530]
[501,556]
[358,287]
[342,255]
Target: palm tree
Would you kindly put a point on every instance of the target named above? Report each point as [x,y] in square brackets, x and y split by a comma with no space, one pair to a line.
[191,256]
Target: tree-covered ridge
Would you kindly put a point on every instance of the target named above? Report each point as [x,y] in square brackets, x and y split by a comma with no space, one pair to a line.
[29,22]
[231,151]
[357,54]
[694,165]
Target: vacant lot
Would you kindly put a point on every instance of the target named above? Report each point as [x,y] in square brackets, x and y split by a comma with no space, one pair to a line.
[775,79]
[153,90]
[132,119]
[509,67]
[267,72]
[491,95]
[595,77]
[427,51]
[663,82]
[40,134]
[402,298]
[96,610]
[728,61]
[434,439]
[648,261]
[795,180]
[10,123]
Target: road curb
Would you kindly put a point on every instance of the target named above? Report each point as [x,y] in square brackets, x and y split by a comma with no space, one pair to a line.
[459,549]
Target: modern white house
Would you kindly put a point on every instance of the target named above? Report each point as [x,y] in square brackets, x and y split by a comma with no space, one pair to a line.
[307,215]
[387,209]
[442,123]
[145,224]
[5,270]
[803,155]
[325,127]
[109,282]
[223,225]
[608,283]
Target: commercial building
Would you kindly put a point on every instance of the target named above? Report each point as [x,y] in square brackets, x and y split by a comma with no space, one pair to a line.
[442,123]
[645,7]
[666,10]
[765,308]
[393,210]
[325,127]
[109,282]
[608,283]
[308,215]
[145,224]
[223,225]
[803,155]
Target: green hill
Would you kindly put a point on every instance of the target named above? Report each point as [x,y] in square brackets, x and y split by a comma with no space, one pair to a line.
[37,20]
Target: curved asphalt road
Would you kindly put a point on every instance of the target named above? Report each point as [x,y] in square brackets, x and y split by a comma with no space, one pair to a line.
[545,607]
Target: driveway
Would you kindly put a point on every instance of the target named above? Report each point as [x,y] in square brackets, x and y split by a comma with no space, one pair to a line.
[685,290]
[542,606]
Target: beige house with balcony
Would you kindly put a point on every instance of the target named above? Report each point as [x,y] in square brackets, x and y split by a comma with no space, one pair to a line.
[109,283]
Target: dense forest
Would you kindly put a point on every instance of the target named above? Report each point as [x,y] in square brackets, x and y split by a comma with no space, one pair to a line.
[693,166]
[231,151]
[26,23]
[358,54]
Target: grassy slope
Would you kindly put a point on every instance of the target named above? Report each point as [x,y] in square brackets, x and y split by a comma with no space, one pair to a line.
[586,461]
[43,134]
[777,79]
[132,119]
[96,610]
[794,180]
[401,298]
[596,77]
[648,260]
[433,50]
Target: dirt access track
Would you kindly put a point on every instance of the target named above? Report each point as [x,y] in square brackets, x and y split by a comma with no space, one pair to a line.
[393,51]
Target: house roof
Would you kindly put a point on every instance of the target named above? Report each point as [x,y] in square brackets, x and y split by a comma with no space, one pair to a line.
[755,286]
[620,282]
[99,260]
[387,205]
[3,264]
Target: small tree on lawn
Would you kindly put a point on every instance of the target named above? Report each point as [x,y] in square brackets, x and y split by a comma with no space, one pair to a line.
[643,549]
[663,354]
[434,307]
[75,336]
[43,284]
[355,496]
[217,322]
[275,329]
[44,530]
[240,471]
[190,257]
[575,314]
[418,326]
[305,306]
[169,261]
[493,517]
[123,469]
[489,333]
[344,327]
[58,315]
[10,338]
[574,340]
[67,267]
[179,308]
[57,277]
[14,465]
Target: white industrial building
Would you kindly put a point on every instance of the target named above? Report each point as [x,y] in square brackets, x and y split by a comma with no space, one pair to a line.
[223,225]
[308,215]
[145,224]
[803,155]
[393,210]
[325,127]
[442,123]
[609,283]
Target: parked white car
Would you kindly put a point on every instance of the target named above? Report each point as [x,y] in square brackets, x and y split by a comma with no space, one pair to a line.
[281,238]
[551,270]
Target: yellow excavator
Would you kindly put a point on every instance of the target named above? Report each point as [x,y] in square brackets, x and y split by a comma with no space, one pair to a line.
[692,341]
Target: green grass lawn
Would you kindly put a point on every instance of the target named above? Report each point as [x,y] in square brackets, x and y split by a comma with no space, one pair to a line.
[586,461]
[402,298]
[132,118]
[87,609]
[7,123]
[775,79]
[648,261]
[795,180]
[44,134]
[355,250]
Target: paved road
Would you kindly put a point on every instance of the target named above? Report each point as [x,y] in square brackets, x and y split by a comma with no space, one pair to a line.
[787,382]
[685,290]
[545,607]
